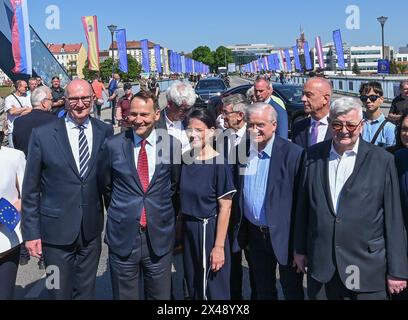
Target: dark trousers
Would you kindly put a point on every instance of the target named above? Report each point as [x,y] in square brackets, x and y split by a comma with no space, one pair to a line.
[113,106]
[264,262]
[8,273]
[77,265]
[237,275]
[336,290]
[126,271]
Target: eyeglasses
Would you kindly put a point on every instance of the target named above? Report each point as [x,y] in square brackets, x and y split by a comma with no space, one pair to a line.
[75,100]
[351,127]
[373,98]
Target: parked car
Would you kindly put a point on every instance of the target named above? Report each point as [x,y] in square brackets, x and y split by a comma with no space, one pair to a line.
[208,88]
[290,94]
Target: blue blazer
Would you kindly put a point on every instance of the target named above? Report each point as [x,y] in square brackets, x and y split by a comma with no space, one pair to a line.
[281,193]
[56,200]
[124,195]
[300,133]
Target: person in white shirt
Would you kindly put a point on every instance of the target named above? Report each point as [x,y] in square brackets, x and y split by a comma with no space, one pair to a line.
[16,104]
[12,173]
[180,98]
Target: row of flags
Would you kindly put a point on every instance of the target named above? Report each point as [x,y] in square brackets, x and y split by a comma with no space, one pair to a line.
[282,61]
[177,63]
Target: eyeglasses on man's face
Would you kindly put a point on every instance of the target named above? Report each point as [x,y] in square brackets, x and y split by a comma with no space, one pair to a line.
[75,100]
[350,127]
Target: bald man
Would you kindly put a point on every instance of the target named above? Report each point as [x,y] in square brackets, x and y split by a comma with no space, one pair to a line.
[62,208]
[316,97]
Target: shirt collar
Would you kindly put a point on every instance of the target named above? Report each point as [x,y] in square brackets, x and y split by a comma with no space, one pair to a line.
[267,150]
[322,121]
[72,124]
[241,132]
[381,118]
[151,139]
[170,123]
[352,152]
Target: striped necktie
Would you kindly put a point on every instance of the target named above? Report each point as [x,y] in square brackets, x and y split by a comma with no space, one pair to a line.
[83,152]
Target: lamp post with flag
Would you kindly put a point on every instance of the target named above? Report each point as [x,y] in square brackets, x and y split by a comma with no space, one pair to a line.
[382,20]
[112,28]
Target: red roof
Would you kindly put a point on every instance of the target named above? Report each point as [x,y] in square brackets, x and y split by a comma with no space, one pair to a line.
[68,48]
[131,45]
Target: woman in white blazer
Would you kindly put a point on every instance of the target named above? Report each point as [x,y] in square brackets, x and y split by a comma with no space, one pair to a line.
[12,166]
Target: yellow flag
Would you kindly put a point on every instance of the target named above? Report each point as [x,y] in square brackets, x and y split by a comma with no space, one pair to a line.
[91,31]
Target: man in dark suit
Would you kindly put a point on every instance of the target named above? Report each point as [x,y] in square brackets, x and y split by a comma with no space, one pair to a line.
[267,191]
[62,212]
[41,100]
[316,97]
[180,99]
[349,229]
[139,178]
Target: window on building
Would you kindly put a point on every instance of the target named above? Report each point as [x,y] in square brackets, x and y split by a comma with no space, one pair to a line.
[340,85]
[351,86]
[405,59]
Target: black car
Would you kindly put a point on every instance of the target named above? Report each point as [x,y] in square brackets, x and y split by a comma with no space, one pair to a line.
[290,94]
[208,88]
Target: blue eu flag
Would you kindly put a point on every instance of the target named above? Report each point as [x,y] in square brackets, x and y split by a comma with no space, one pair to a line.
[9,216]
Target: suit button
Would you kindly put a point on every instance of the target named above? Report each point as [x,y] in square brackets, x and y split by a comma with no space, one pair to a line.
[338,220]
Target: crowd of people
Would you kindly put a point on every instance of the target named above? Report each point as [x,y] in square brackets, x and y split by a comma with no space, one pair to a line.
[329,203]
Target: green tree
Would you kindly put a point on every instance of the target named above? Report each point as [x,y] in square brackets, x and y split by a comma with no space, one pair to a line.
[402,68]
[204,54]
[105,70]
[356,68]
[222,56]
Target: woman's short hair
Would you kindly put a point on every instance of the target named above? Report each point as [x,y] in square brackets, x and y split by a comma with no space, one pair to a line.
[204,115]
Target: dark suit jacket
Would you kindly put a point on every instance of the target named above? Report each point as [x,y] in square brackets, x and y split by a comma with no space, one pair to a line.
[25,124]
[281,192]
[368,230]
[300,133]
[56,201]
[401,160]
[125,197]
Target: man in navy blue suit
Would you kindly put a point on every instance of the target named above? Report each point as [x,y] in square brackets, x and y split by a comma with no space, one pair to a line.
[267,191]
[316,97]
[139,178]
[62,215]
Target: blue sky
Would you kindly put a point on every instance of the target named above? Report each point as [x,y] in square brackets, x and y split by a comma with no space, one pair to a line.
[182,25]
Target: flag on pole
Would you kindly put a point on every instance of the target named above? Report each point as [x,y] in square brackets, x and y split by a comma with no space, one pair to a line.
[339,49]
[306,52]
[298,66]
[20,35]
[157,55]
[319,51]
[90,24]
[122,50]
[145,55]
[288,61]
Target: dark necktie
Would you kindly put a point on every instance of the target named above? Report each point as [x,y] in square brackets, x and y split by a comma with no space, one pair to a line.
[83,152]
[143,171]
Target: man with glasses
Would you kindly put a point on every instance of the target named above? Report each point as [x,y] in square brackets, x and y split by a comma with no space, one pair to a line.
[349,230]
[180,98]
[15,105]
[62,216]
[377,129]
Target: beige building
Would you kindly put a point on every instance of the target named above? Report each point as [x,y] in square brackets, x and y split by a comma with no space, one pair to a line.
[71,56]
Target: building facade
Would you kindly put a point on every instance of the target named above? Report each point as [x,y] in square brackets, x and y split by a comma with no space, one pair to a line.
[71,56]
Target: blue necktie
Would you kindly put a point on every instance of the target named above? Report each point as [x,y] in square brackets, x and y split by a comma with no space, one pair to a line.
[83,152]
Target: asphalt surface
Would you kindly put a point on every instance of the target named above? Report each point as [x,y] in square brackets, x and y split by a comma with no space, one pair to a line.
[31,281]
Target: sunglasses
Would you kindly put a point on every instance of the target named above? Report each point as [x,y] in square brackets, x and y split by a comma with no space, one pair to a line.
[350,127]
[373,98]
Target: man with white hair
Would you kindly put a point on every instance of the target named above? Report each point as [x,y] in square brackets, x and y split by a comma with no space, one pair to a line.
[180,98]
[349,229]
[41,100]
[267,192]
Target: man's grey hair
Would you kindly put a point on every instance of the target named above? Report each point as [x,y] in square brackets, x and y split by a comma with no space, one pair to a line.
[263,78]
[343,106]
[250,94]
[261,106]
[238,101]
[38,96]
[180,93]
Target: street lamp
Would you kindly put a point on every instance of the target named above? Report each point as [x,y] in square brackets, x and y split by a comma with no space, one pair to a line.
[112,28]
[382,21]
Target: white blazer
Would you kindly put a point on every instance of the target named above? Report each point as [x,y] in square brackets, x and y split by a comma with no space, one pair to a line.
[12,166]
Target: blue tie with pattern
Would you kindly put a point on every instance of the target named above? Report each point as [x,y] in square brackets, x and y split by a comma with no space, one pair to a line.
[83,152]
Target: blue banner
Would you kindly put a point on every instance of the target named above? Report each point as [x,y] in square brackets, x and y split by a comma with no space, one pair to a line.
[277,64]
[339,49]
[306,51]
[171,60]
[145,55]
[122,50]
[288,62]
[298,66]
[383,66]
[157,55]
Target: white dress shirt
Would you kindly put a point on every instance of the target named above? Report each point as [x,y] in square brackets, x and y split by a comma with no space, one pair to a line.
[177,130]
[150,150]
[322,129]
[14,101]
[73,137]
[12,173]
[340,170]
[237,137]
